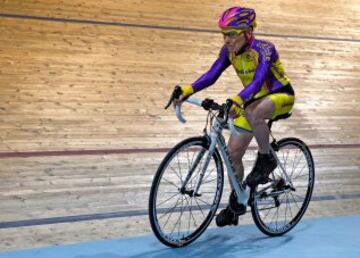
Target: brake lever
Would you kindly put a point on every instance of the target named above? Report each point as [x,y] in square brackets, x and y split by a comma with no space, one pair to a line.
[175,95]
[228,105]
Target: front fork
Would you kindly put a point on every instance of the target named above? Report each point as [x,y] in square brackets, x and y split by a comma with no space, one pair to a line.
[242,192]
[213,138]
[190,173]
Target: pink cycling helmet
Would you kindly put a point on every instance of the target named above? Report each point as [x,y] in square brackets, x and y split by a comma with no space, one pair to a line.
[238,18]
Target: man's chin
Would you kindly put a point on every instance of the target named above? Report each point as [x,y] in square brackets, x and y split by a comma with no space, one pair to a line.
[231,49]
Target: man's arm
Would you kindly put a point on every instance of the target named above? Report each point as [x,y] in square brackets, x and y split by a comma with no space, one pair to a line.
[214,72]
[265,55]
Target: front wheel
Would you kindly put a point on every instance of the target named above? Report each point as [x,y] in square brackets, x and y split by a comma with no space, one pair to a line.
[279,205]
[178,215]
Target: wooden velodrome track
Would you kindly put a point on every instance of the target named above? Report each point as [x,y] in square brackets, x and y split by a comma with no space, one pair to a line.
[82,90]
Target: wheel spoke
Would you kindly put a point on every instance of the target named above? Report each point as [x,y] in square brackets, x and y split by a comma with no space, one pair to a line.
[191,215]
[288,209]
[305,175]
[208,174]
[171,209]
[170,183]
[272,219]
[303,167]
[199,207]
[212,180]
[268,210]
[179,166]
[201,200]
[176,173]
[159,204]
[295,166]
[292,196]
[288,205]
[172,231]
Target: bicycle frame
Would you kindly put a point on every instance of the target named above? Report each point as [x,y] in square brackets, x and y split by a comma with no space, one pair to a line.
[217,140]
[208,154]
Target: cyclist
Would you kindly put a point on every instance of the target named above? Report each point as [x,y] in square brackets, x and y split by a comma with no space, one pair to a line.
[267,93]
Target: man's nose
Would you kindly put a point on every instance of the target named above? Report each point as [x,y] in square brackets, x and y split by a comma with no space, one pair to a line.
[226,39]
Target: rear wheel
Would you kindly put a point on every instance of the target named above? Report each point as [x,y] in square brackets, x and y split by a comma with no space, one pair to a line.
[279,205]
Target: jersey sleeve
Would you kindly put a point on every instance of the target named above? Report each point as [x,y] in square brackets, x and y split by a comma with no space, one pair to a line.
[266,54]
[214,72]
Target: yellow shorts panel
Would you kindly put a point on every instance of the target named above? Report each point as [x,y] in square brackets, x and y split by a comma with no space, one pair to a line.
[283,104]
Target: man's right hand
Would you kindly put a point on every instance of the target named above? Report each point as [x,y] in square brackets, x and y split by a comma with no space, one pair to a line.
[179,101]
[237,107]
[187,90]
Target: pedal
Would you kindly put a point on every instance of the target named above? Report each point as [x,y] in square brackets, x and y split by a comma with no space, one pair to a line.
[265,181]
[281,183]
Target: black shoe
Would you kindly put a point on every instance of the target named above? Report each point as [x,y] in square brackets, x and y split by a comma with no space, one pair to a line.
[265,164]
[234,206]
[226,217]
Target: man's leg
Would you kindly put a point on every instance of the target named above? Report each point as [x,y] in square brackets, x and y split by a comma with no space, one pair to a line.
[256,114]
[237,146]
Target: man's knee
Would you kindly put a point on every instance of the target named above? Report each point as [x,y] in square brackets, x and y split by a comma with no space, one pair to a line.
[262,110]
[257,115]
[253,116]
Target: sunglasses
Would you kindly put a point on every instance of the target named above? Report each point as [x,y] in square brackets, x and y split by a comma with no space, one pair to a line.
[231,33]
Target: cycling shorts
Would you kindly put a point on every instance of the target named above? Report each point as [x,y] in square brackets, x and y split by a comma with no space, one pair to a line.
[283,100]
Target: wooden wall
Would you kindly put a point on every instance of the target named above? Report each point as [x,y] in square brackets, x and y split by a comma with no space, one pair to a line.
[336,18]
[68,85]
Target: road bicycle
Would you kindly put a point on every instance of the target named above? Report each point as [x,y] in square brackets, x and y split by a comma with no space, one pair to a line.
[187,187]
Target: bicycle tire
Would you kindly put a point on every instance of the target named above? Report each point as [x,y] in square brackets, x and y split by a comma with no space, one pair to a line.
[160,231]
[258,211]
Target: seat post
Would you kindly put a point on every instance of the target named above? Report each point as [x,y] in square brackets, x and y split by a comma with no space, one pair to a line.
[270,122]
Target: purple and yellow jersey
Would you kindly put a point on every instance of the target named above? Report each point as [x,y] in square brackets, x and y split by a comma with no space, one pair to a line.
[258,67]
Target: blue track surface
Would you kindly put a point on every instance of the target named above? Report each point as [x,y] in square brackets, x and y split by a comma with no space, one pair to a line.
[326,237]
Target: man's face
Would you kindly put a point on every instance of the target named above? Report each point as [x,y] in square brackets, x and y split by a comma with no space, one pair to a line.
[234,40]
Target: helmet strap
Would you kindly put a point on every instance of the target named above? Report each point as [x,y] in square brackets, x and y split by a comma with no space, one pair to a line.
[249,38]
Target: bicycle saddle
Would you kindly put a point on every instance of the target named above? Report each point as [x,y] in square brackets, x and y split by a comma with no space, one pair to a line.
[279,117]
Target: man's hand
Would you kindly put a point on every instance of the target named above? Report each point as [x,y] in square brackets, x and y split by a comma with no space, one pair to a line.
[236,109]
[179,101]
[187,90]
